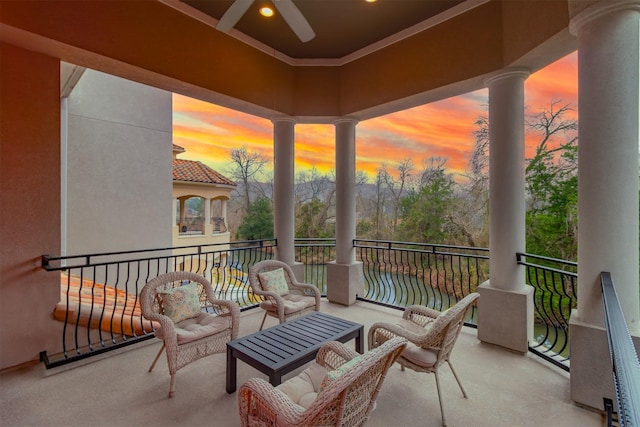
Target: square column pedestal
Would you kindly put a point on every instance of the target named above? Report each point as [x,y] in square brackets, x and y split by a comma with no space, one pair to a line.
[591,369]
[505,318]
[344,282]
[298,271]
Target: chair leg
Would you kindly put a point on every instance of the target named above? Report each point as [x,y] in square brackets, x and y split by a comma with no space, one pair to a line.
[172,385]
[263,319]
[444,423]
[464,393]
[156,359]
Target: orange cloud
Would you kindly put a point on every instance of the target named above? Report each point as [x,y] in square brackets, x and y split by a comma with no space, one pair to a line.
[440,129]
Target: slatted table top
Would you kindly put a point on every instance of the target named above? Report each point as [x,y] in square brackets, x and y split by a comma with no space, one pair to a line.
[280,349]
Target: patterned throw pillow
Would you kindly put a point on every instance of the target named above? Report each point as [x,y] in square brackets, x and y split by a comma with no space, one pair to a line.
[274,281]
[181,303]
[335,374]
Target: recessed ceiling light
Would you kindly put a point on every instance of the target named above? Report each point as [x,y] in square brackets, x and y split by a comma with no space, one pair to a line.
[370,1]
[266,11]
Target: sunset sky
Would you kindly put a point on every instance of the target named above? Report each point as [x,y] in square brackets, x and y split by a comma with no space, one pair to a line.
[442,129]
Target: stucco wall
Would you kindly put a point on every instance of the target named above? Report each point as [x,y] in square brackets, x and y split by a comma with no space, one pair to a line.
[119,185]
[119,158]
[29,203]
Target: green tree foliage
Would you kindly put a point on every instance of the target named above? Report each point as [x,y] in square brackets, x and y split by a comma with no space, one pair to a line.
[311,220]
[424,210]
[315,204]
[552,186]
[258,222]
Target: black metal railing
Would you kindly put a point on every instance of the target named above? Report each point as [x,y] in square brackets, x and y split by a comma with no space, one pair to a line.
[554,282]
[398,274]
[99,304]
[315,254]
[99,292]
[624,358]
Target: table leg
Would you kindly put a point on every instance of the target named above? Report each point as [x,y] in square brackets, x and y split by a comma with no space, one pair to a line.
[232,366]
[360,340]
[275,378]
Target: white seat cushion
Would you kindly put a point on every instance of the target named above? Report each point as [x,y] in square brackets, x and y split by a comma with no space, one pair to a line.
[198,327]
[304,387]
[292,303]
[419,356]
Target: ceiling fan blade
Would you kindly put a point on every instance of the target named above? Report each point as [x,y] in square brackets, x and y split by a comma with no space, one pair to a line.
[295,19]
[233,14]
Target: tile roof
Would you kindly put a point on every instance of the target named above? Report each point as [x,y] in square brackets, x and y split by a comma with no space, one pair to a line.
[194,171]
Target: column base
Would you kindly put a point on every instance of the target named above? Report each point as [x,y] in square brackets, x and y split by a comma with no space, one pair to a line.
[505,318]
[344,282]
[591,369]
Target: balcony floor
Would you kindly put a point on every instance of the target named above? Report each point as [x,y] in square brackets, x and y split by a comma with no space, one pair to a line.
[504,388]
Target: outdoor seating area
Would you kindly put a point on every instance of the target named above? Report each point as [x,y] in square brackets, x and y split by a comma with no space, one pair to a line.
[503,388]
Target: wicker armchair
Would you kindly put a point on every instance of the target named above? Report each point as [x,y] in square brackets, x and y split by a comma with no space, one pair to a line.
[297,299]
[205,331]
[342,388]
[431,334]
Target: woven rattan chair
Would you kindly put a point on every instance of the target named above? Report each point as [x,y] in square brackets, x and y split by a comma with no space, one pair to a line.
[341,386]
[431,334]
[298,299]
[211,326]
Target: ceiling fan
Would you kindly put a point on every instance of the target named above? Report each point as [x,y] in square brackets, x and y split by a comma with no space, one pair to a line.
[287,9]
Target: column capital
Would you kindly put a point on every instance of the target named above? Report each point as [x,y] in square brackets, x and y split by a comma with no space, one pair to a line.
[583,12]
[507,73]
[346,119]
[284,119]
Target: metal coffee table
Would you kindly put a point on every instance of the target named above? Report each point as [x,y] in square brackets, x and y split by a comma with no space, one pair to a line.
[280,349]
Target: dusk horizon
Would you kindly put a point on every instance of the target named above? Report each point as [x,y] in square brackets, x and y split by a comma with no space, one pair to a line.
[444,129]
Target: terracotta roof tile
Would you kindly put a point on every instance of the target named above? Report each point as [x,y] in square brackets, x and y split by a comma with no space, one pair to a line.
[194,171]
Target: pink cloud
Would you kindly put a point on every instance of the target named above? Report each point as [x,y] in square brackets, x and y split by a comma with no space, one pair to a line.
[440,129]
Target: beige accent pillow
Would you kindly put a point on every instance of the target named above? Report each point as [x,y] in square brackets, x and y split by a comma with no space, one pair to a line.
[274,281]
[181,303]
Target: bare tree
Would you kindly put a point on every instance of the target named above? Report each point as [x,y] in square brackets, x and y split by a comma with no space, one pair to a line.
[470,217]
[551,124]
[379,203]
[246,167]
[315,202]
[397,186]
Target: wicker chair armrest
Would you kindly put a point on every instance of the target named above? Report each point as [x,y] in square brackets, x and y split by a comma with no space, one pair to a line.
[167,325]
[421,311]
[420,315]
[259,399]
[227,307]
[334,354]
[274,296]
[304,287]
[383,331]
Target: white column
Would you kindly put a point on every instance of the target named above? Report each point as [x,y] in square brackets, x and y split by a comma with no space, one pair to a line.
[344,277]
[207,228]
[608,58]
[506,178]
[283,188]
[182,214]
[505,314]
[608,35]
[345,190]
[223,213]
